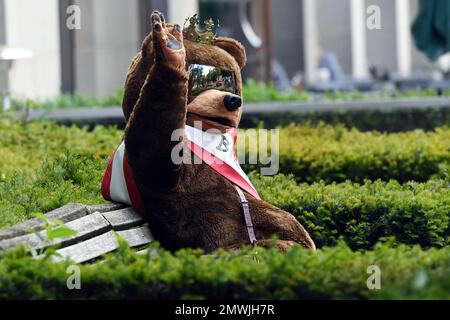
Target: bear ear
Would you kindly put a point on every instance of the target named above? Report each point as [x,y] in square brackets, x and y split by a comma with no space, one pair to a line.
[233,47]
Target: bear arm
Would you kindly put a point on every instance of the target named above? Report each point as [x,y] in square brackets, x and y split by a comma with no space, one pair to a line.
[160,109]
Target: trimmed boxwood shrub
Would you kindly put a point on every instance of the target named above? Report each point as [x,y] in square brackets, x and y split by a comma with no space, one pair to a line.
[329,153]
[39,174]
[68,178]
[414,213]
[334,153]
[330,273]
[390,120]
[24,146]
[252,92]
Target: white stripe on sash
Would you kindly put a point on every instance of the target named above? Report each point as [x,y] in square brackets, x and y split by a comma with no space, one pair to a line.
[118,188]
[211,142]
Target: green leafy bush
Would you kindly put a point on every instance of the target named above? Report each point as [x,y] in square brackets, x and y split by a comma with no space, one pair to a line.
[386,120]
[46,166]
[413,213]
[390,120]
[257,91]
[329,273]
[334,153]
[25,146]
[329,153]
[253,91]
[64,101]
[70,177]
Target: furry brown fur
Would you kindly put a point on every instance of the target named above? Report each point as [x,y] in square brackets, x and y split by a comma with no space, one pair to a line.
[189,205]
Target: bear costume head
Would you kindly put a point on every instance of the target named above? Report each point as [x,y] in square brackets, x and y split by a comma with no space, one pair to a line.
[214,108]
[173,83]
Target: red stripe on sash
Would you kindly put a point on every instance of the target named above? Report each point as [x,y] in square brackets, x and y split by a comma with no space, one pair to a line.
[224,169]
[106,182]
[133,191]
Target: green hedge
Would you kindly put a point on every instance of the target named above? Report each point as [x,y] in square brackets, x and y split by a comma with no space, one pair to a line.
[39,174]
[413,213]
[252,91]
[334,153]
[44,166]
[329,273]
[363,214]
[70,177]
[329,153]
[25,146]
[389,120]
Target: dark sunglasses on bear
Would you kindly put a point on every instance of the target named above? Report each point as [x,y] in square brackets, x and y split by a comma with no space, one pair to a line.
[203,77]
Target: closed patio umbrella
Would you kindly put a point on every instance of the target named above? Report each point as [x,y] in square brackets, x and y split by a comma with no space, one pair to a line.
[431,28]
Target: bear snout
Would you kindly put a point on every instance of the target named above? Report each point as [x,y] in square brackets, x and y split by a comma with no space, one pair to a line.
[232,102]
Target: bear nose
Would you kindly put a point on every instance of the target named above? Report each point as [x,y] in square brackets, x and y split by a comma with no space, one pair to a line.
[232,102]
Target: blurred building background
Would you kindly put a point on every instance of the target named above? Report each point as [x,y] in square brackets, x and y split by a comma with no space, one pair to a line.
[284,40]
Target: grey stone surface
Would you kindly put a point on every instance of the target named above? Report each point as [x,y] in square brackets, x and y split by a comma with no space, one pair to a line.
[103,244]
[66,213]
[95,226]
[123,218]
[86,227]
[105,207]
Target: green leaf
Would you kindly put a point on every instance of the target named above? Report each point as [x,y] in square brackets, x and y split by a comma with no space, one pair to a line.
[41,216]
[60,232]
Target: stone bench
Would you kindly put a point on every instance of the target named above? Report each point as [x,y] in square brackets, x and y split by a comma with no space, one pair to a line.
[95,226]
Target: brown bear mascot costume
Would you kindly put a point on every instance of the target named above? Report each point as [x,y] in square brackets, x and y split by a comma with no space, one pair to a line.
[174,82]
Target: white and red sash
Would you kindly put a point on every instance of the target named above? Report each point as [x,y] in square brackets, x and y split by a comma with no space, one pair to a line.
[215,149]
